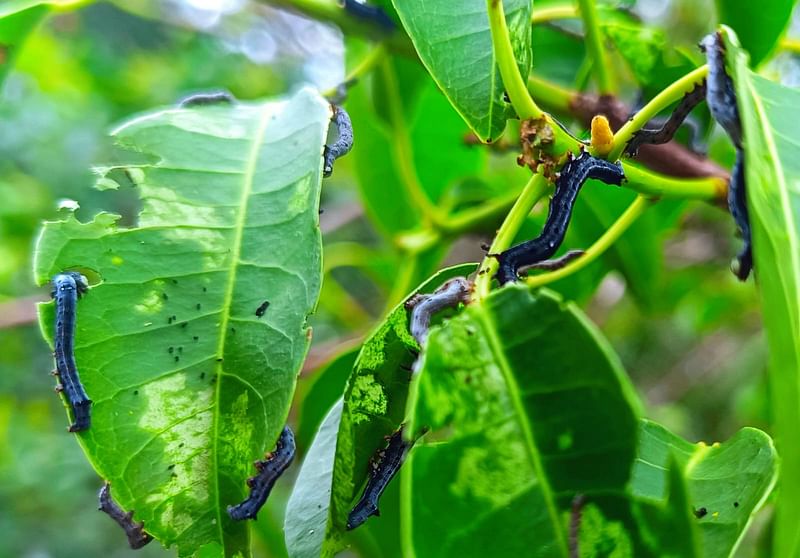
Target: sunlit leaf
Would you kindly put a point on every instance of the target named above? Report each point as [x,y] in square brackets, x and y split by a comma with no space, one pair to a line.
[190,383]
[454,42]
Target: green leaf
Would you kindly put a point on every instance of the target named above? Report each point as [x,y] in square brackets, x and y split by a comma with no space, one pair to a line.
[374,406]
[527,406]
[307,511]
[725,483]
[454,42]
[770,123]
[189,384]
[759,25]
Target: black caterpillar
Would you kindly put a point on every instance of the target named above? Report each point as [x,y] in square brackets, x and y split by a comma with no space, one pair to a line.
[67,288]
[424,306]
[343,144]
[383,467]
[666,132]
[568,184]
[369,13]
[137,538]
[209,98]
[721,99]
[269,471]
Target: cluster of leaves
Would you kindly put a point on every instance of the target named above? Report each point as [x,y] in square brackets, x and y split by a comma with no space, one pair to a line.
[528,409]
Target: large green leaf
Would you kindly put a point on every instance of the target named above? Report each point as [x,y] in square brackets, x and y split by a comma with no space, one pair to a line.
[527,406]
[453,40]
[374,405]
[759,25]
[189,384]
[770,122]
[725,483]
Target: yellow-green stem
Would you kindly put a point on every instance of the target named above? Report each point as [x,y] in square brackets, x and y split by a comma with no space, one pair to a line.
[616,230]
[536,187]
[668,96]
[594,44]
[504,55]
[553,13]
[553,96]
[653,184]
[403,151]
[364,67]
[790,45]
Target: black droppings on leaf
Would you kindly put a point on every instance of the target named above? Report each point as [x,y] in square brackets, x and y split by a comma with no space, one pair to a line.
[261,310]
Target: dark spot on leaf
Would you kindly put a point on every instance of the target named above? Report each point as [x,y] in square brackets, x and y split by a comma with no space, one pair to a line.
[736,504]
[195,337]
[198,306]
[174,281]
[700,513]
[171,467]
[164,296]
[202,375]
[205,290]
[136,392]
[262,309]
[184,324]
[180,350]
[181,445]
[219,360]
[177,358]
[171,350]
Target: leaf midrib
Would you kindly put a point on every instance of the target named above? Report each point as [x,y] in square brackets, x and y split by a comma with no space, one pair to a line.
[247,188]
[496,347]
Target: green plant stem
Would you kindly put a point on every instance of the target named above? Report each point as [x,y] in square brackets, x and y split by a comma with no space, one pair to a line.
[504,55]
[403,150]
[553,13]
[653,184]
[555,97]
[361,69]
[661,101]
[332,11]
[536,187]
[594,44]
[790,45]
[602,244]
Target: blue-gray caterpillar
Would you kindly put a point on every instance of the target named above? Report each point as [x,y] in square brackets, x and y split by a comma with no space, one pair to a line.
[424,306]
[137,538]
[374,14]
[343,144]
[383,467]
[269,470]
[67,288]
[572,177]
[667,130]
[721,99]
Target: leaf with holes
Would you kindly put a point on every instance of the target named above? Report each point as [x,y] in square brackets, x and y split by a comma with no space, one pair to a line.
[191,338]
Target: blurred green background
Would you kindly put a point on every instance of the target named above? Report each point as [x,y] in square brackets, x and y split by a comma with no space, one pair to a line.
[696,352]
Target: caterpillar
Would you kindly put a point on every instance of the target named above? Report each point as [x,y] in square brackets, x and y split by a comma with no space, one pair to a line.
[269,471]
[383,467]
[344,142]
[137,538]
[671,125]
[369,13]
[568,184]
[67,288]
[209,98]
[423,306]
[721,99]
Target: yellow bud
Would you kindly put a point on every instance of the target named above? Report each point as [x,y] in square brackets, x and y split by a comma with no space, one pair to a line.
[602,136]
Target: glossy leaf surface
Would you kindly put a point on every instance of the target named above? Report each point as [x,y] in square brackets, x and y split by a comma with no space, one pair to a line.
[191,382]
[454,42]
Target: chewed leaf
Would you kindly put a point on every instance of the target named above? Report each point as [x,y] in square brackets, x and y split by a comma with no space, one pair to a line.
[191,373]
